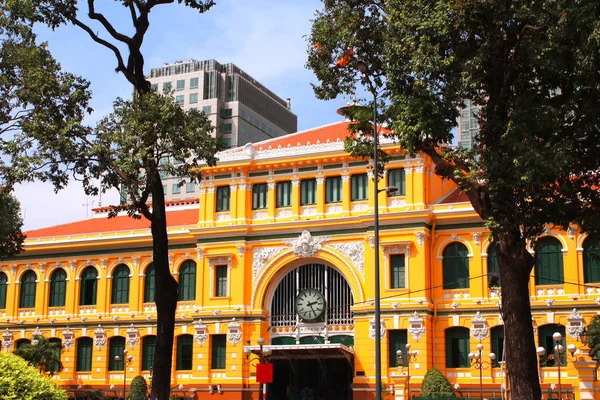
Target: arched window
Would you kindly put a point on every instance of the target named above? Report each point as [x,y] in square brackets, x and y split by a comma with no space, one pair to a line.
[546,340]
[591,261]
[22,342]
[28,286]
[120,285]
[457,347]
[187,281]
[148,351]
[185,352]
[3,288]
[55,366]
[456,266]
[116,345]
[492,261]
[89,286]
[58,288]
[84,354]
[548,262]
[497,334]
[150,284]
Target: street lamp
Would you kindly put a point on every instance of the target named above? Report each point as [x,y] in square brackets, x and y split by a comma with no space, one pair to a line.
[126,361]
[476,360]
[261,356]
[364,70]
[406,359]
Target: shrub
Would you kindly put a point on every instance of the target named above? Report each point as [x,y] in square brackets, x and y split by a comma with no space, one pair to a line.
[138,388]
[19,381]
[436,384]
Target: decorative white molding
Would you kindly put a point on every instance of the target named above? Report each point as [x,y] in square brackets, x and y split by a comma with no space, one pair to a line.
[68,338]
[261,257]
[575,326]
[308,210]
[334,209]
[200,332]
[355,251]
[371,241]
[476,238]
[360,206]
[421,236]
[199,253]
[260,214]
[295,182]
[396,202]
[132,336]
[479,328]
[571,232]
[234,333]
[306,245]
[103,262]
[372,328]
[271,185]
[241,249]
[99,337]
[417,328]
[420,169]
[7,340]
[136,262]
[43,267]
[345,178]
[284,213]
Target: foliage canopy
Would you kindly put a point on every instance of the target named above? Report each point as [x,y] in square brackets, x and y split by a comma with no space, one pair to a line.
[436,384]
[42,354]
[19,381]
[11,237]
[138,388]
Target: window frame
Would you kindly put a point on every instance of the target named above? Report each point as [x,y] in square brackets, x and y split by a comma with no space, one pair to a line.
[333,194]
[461,274]
[548,274]
[27,295]
[148,352]
[58,289]
[150,284]
[221,277]
[187,281]
[83,286]
[462,337]
[260,196]
[218,352]
[283,194]
[591,260]
[306,192]
[184,353]
[116,345]
[393,274]
[3,290]
[83,362]
[359,187]
[222,196]
[398,342]
[120,287]
[397,182]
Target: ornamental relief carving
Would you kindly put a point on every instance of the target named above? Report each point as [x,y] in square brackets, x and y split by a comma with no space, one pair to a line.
[261,257]
[355,251]
[307,245]
[417,328]
[479,328]
[372,330]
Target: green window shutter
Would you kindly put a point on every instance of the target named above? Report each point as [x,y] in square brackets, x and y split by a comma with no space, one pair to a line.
[259,196]
[308,192]
[223,196]
[88,287]
[148,351]
[28,287]
[397,340]
[397,271]
[457,347]
[284,194]
[456,266]
[57,346]
[492,260]
[120,285]
[58,288]
[187,281]
[333,189]
[116,345]
[84,354]
[3,289]
[359,185]
[185,352]
[218,352]
[221,281]
[591,261]
[548,262]
[150,284]
[498,343]
[545,333]
[397,179]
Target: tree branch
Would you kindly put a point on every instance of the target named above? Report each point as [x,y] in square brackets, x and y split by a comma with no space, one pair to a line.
[107,25]
[132,10]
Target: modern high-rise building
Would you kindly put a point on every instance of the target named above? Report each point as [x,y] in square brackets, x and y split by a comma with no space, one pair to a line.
[468,124]
[241,109]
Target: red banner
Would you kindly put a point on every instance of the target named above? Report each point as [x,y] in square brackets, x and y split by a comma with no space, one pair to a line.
[264,373]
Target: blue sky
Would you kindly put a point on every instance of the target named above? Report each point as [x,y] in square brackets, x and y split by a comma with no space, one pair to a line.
[263,37]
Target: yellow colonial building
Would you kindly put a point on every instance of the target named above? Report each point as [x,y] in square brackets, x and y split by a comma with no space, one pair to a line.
[279,245]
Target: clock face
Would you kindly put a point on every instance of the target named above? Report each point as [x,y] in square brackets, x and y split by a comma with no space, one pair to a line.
[310,304]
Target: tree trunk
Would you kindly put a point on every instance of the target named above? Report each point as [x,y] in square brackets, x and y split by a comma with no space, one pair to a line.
[515,264]
[166,297]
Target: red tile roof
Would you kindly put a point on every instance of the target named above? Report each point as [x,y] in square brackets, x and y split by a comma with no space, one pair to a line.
[119,223]
[457,196]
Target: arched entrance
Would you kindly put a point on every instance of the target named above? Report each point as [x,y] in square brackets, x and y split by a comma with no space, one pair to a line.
[313,356]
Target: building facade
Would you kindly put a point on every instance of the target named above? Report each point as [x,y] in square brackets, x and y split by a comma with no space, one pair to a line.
[468,124]
[279,246]
[241,109]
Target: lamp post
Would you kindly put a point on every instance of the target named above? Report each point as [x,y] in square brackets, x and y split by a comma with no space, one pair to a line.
[406,358]
[476,360]
[261,357]
[364,70]
[126,361]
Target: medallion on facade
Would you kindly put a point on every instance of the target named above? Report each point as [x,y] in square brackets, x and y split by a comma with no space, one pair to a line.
[372,330]
[479,328]
[68,338]
[234,333]
[307,245]
[261,257]
[575,326]
[416,328]
[7,340]
[99,337]
[355,251]
[200,332]
[132,336]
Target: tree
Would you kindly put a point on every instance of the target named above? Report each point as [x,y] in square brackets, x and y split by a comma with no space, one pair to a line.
[138,388]
[594,332]
[132,160]
[435,384]
[42,354]
[19,381]
[11,237]
[531,67]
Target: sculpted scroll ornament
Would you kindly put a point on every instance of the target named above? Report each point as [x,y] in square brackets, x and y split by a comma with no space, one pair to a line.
[355,252]
[372,328]
[416,329]
[306,245]
[132,336]
[99,337]
[479,329]
[261,257]
[7,340]
[575,326]
[68,338]
[234,333]
[200,332]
